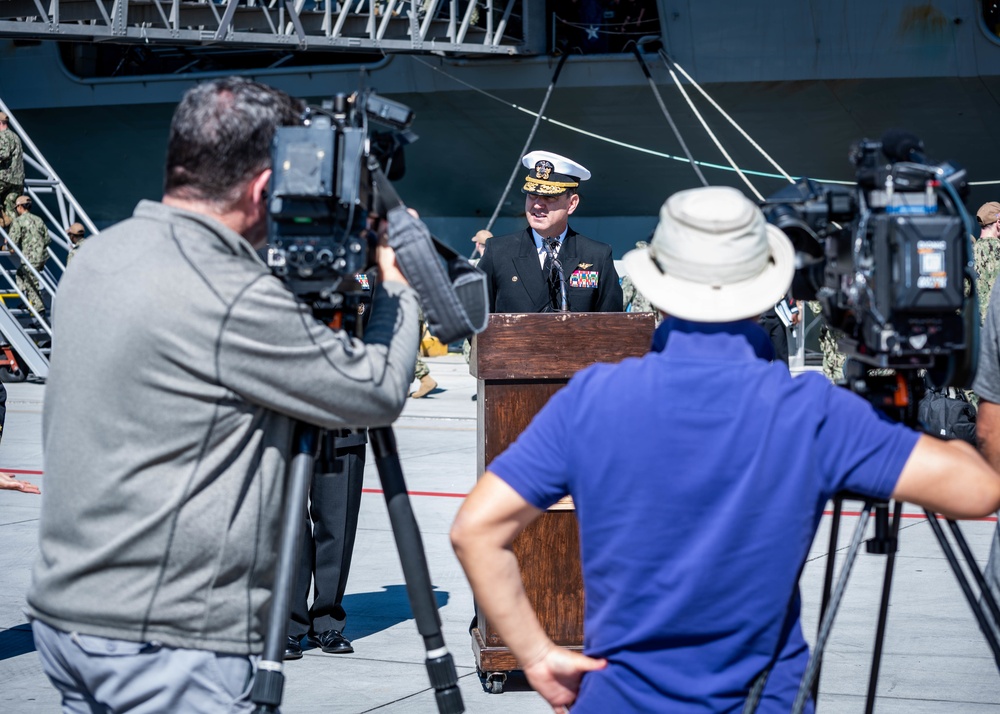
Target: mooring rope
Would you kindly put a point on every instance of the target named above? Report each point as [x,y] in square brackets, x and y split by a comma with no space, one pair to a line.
[527,144]
[667,58]
[670,119]
[616,142]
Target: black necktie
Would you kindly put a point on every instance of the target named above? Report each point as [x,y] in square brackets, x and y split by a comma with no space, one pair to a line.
[554,273]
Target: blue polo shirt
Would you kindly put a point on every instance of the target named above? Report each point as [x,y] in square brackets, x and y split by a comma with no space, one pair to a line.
[699,473]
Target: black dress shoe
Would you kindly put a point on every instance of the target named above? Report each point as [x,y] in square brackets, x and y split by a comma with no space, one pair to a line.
[293,648]
[331,642]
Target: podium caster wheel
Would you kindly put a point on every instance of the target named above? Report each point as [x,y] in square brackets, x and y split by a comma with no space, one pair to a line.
[495,682]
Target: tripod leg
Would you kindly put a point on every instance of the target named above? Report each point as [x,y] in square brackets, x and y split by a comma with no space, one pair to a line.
[977,574]
[889,547]
[963,582]
[270,681]
[440,665]
[826,624]
[831,554]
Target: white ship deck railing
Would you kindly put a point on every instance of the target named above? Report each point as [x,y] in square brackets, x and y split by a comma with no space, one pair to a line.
[463,27]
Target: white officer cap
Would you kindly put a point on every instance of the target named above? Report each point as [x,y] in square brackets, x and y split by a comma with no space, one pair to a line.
[551,174]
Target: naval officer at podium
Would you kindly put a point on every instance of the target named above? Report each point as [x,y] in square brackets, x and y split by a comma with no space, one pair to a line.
[549,267]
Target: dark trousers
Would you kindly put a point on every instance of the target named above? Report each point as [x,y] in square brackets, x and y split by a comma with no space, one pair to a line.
[3,407]
[775,329]
[328,536]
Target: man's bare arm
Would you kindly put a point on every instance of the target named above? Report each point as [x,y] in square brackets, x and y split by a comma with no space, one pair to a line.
[988,432]
[950,478]
[486,525]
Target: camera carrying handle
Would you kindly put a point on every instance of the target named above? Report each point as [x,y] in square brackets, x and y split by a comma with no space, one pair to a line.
[453,293]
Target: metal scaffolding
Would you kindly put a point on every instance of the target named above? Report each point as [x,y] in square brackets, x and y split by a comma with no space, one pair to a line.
[462,27]
[25,335]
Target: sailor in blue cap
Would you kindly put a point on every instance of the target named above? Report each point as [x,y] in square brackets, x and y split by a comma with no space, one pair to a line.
[549,267]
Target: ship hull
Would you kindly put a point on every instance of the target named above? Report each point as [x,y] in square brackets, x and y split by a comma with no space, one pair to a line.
[927,73]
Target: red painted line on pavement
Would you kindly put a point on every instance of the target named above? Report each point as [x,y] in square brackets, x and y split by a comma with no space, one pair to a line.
[440,494]
[444,494]
[991,519]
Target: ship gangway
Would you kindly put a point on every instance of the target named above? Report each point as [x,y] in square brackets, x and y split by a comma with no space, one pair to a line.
[25,334]
[453,27]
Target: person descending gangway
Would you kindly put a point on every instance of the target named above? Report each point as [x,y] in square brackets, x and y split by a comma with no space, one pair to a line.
[36,210]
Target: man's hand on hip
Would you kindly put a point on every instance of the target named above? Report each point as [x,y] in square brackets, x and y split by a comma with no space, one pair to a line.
[557,674]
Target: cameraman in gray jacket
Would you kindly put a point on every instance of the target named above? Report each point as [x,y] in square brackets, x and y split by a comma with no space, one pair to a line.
[179,366]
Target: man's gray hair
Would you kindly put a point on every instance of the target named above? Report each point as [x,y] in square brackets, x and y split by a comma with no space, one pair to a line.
[220,137]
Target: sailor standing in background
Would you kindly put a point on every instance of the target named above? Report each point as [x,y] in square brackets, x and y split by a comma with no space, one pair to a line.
[76,235]
[29,234]
[549,267]
[480,240]
[986,252]
[11,170]
[632,299]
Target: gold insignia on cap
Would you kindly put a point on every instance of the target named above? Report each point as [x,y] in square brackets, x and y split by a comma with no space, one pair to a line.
[543,169]
[584,266]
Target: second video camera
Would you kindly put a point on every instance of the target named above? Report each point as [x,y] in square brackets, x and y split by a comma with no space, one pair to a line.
[889,259]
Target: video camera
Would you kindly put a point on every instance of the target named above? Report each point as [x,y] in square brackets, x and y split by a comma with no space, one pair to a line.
[890,259]
[330,188]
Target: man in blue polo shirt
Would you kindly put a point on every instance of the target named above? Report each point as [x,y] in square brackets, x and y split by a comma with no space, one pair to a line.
[696,505]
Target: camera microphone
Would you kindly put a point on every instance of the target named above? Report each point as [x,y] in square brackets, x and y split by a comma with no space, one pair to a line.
[901,145]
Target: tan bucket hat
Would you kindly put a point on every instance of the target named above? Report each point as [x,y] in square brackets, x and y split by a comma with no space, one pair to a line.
[713,258]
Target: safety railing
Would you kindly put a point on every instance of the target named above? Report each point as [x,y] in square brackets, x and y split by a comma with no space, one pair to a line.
[439,26]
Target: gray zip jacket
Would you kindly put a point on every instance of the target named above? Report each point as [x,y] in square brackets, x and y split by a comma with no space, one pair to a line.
[179,365]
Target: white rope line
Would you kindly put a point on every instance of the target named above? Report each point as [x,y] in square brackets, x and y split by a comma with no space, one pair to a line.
[711,134]
[728,118]
[616,142]
[670,119]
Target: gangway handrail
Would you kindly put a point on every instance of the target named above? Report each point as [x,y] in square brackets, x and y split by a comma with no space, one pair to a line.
[44,283]
[22,337]
[37,159]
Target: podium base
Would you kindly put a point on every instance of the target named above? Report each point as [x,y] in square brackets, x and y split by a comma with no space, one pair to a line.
[491,661]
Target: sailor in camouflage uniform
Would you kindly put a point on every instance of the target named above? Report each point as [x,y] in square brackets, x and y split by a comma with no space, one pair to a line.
[29,234]
[75,233]
[987,254]
[833,358]
[480,240]
[632,299]
[421,371]
[11,170]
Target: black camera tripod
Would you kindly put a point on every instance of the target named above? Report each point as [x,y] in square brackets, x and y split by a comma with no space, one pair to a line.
[270,680]
[897,396]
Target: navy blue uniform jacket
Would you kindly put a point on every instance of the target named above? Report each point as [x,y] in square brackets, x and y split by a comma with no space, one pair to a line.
[516,283]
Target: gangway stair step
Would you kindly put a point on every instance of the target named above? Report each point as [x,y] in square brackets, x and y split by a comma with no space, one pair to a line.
[22,343]
[26,335]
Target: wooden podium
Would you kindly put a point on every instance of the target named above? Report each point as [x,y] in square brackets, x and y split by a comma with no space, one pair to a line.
[519,361]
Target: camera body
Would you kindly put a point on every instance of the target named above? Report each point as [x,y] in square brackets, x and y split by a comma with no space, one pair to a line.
[323,201]
[329,194]
[889,259]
